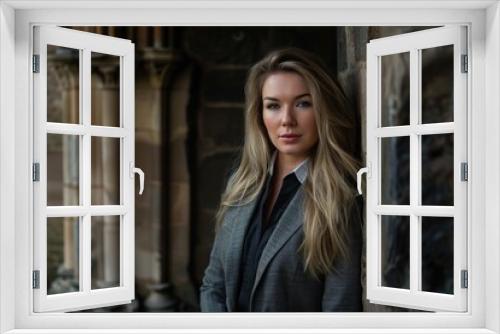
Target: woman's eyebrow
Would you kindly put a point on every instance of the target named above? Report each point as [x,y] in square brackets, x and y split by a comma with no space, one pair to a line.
[270,98]
[275,99]
[302,95]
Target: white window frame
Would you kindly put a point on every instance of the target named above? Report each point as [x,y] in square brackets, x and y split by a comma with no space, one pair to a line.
[413,44]
[85,44]
[16,20]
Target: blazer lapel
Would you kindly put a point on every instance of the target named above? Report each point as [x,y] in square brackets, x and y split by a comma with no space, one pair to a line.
[232,274]
[290,221]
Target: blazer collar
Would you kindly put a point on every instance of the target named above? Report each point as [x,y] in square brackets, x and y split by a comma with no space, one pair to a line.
[290,221]
[300,170]
[232,275]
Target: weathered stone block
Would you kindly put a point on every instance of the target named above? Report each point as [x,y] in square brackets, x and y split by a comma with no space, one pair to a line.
[224,85]
[213,172]
[204,241]
[178,161]
[224,45]
[341,50]
[179,204]
[179,253]
[223,126]
[143,155]
[317,40]
[360,41]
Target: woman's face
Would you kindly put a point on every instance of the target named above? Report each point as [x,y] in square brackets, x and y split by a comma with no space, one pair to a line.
[288,114]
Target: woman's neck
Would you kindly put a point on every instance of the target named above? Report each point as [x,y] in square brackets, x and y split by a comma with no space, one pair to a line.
[285,163]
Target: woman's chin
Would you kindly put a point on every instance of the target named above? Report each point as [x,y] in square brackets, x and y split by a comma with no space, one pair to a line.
[292,151]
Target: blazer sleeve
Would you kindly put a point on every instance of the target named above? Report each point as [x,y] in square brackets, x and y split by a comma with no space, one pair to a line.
[213,289]
[342,287]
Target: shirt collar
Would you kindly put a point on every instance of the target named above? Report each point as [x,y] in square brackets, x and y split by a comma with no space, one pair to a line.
[300,170]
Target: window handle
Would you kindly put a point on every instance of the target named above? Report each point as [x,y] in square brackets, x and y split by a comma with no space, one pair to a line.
[133,171]
[359,174]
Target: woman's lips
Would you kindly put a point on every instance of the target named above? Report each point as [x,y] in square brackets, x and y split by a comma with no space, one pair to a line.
[289,138]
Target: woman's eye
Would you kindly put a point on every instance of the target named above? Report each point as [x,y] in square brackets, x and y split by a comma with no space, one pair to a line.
[304,104]
[272,106]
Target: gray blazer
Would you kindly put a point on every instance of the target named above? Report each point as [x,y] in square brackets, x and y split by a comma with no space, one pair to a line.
[281,284]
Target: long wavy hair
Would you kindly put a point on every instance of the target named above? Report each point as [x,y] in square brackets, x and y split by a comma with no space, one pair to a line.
[329,190]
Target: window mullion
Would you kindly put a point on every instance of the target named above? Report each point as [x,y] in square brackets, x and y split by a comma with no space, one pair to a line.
[415,250]
[85,245]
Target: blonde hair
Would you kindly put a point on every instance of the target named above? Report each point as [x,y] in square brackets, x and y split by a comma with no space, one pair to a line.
[329,190]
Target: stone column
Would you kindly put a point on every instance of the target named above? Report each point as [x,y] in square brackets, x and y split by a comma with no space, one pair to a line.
[152,67]
[179,187]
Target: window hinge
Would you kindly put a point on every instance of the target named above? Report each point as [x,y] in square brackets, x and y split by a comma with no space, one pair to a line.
[36,63]
[465,65]
[36,279]
[36,172]
[464,171]
[464,279]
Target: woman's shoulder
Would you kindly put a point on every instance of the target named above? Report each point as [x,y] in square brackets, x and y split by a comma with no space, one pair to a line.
[230,217]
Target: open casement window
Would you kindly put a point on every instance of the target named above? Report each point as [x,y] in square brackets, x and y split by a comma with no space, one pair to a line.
[83,170]
[417,170]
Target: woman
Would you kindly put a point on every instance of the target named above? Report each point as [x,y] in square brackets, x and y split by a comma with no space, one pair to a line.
[289,221]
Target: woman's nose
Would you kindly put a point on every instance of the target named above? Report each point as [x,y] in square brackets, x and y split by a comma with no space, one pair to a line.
[288,116]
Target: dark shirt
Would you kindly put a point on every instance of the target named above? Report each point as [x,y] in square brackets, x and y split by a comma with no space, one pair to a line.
[258,233]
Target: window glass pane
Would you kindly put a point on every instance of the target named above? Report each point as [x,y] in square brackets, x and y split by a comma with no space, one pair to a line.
[395,89]
[395,170]
[105,252]
[395,232]
[437,169]
[105,90]
[437,254]
[437,84]
[63,169]
[105,171]
[63,84]
[62,255]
